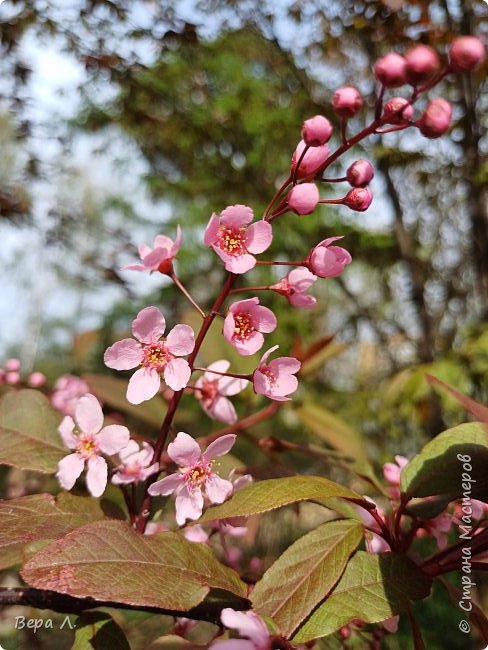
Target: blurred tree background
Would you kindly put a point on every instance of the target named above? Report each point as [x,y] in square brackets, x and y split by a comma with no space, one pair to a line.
[183,108]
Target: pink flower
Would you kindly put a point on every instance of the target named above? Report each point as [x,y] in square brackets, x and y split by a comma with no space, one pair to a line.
[191,533]
[438,528]
[303,198]
[234,240]
[347,101]
[316,131]
[67,391]
[276,379]
[392,472]
[436,119]
[89,444]
[372,536]
[213,391]
[328,261]
[194,476]
[360,173]
[244,324]
[12,377]
[295,286]
[422,64]
[466,53]
[390,70]
[249,625]
[36,379]
[392,110]
[160,257]
[136,464]
[155,355]
[311,161]
[12,365]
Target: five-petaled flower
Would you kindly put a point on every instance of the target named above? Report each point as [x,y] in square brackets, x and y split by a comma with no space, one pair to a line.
[155,355]
[276,379]
[88,444]
[136,464]
[249,625]
[244,324]
[234,240]
[295,286]
[213,391]
[160,257]
[195,476]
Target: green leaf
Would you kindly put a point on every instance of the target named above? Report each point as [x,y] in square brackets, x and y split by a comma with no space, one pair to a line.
[305,573]
[98,631]
[277,492]
[479,411]
[372,589]
[29,437]
[41,517]
[108,560]
[112,391]
[437,469]
[339,435]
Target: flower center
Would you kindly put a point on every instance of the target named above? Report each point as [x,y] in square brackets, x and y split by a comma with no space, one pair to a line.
[87,446]
[209,390]
[156,356]
[268,373]
[232,240]
[197,475]
[243,326]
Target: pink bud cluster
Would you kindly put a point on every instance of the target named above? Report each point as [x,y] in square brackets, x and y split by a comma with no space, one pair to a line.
[11,374]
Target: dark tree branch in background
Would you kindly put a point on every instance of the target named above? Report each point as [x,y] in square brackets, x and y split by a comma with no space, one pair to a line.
[64,604]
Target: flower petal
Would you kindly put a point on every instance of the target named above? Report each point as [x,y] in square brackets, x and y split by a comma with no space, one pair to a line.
[217,489]
[248,624]
[177,374]
[211,230]
[223,410]
[240,263]
[303,301]
[149,325]
[166,485]
[113,438]
[155,257]
[259,237]
[220,446]
[184,450]
[69,468]
[143,385]
[252,344]
[264,319]
[66,432]
[236,215]
[131,448]
[231,385]
[123,355]
[188,506]
[288,365]
[96,476]
[88,414]
[181,340]
[234,644]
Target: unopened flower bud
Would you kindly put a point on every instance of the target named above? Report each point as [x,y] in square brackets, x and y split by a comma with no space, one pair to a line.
[312,160]
[316,131]
[436,119]
[303,198]
[347,101]
[360,173]
[390,70]
[359,199]
[12,365]
[36,379]
[12,377]
[422,64]
[392,110]
[466,53]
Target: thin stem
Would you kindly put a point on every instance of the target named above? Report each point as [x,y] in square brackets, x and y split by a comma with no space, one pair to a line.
[276,195]
[175,400]
[256,288]
[224,374]
[333,201]
[250,421]
[332,180]
[186,293]
[299,162]
[264,263]
[379,103]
